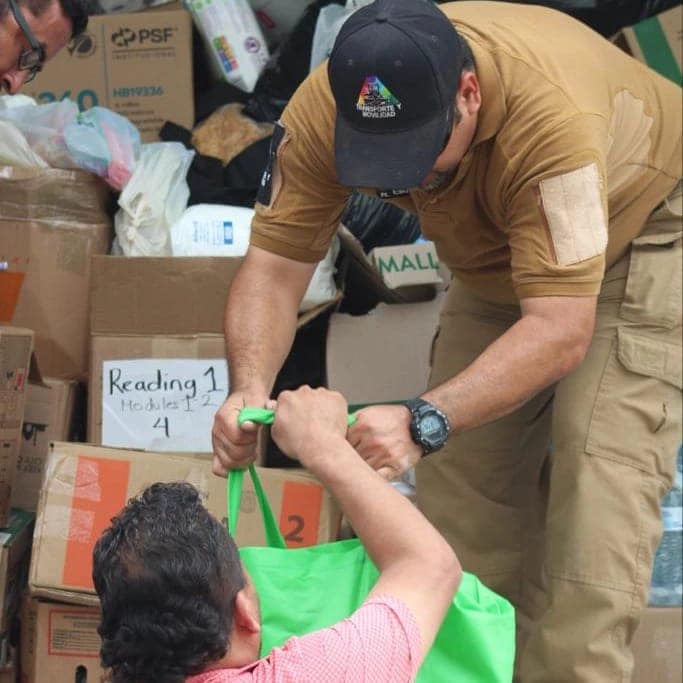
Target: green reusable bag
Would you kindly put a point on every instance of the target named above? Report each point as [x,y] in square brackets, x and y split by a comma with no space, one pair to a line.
[302,590]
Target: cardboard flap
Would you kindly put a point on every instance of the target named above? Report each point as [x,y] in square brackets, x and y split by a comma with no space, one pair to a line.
[394,340]
[165,295]
[160,295]
[364,287]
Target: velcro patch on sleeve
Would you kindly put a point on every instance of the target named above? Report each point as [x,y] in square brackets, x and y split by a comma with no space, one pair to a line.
[573,208]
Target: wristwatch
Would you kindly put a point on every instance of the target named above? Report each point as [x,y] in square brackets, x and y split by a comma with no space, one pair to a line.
[429,427]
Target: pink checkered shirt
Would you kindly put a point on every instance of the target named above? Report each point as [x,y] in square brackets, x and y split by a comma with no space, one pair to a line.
[379,643]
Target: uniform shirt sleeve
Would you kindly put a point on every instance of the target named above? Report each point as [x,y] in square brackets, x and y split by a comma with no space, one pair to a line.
[556,212]
[299,214]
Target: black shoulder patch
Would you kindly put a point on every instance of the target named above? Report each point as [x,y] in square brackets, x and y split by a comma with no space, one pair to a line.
[266,185]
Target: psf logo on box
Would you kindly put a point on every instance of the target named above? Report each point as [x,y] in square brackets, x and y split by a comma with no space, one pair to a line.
[124,36]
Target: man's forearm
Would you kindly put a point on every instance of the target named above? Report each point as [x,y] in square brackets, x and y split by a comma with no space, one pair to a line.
[530,356]
[391,528]
[260,323]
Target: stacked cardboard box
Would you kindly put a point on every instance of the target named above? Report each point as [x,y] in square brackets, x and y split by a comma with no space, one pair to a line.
[16,347]
[157,364]
[49,415]
[51,223]
[86,486]
[59,643]
[139,65]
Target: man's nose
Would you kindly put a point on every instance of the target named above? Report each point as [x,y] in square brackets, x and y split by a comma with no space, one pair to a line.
[13,80]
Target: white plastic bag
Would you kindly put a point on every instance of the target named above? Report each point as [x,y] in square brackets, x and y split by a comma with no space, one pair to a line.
[330,20]
[154,198]
[322,287]
[15,150]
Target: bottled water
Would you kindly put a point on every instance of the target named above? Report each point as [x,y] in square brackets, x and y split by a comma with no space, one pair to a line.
[667,575]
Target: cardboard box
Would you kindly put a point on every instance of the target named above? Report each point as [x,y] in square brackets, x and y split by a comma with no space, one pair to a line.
[365,287]
[406,265]
[15,549]
[157,317]
[658,42]
[394,340]
[60,643]
[48,416]
[87,485]
[138,65]
[16,345]
[51,222]
[156,393]
[658,646]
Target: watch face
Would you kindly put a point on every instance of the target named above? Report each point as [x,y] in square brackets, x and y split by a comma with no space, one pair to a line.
[431,427]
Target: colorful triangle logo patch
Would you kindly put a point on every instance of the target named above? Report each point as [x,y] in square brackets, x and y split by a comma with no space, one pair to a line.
[376,101]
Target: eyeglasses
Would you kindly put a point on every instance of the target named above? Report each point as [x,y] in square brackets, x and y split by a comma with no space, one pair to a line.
[32,58]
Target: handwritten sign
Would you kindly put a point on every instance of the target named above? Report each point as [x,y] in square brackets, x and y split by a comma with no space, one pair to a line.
[162,404]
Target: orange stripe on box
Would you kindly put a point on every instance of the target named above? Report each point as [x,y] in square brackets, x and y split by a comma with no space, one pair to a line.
[99,493]
[10,288]
[300,514]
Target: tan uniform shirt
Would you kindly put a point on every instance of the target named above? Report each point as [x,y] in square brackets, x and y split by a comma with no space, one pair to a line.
[576,144]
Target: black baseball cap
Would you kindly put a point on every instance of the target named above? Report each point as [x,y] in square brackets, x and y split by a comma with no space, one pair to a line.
[394,70]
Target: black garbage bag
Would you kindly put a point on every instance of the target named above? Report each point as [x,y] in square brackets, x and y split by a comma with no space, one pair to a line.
[376,223]
[211,182]
[286,68]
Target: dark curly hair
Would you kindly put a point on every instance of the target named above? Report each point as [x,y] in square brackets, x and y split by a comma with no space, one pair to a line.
[167,574]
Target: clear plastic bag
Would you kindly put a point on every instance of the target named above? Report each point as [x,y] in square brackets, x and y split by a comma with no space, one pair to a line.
[154,199]
[43,127]
[105,143]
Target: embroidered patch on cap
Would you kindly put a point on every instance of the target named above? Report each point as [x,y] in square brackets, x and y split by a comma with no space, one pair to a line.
[572,204]
[376,101]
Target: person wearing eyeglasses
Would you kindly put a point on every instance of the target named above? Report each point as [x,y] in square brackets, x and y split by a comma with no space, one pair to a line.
[31,33]
[545,165]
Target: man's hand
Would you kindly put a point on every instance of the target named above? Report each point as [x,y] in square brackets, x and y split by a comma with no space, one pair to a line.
[381,436]
[234,446]
[307,421]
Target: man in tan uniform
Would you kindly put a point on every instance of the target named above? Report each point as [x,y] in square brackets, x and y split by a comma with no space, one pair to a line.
[545,164]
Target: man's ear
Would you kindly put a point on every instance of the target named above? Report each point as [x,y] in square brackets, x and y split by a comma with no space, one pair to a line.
[469,92]
[246,613]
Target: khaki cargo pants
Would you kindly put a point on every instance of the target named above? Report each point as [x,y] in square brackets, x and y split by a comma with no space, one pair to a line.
[556,506]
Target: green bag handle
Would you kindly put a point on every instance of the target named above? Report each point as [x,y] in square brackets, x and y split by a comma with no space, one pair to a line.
[267,417]
[235,485]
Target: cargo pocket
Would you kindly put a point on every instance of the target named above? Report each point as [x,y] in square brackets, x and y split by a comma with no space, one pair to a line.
[653,286]
[636,417]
